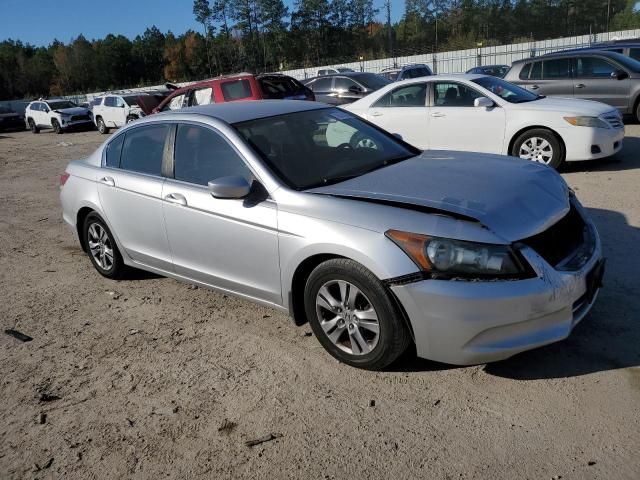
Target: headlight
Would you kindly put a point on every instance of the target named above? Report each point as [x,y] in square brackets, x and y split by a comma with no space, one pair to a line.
[446,258]
[594,122]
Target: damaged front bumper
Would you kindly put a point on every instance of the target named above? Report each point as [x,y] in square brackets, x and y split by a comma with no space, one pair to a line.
[466,322]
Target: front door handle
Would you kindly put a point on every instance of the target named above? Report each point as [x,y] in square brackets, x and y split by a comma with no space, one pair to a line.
[177,198]
[108,181]
[580,85]
[376,114]
[438,114]
[534,87]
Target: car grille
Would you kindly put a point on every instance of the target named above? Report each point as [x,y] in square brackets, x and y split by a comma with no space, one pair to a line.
[76,118]
[613,119]
[560,240]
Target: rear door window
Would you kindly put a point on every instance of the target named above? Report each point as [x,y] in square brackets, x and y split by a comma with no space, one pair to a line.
[236,89]
[110,102]
[143,149]
[556,69]
[202,155]
[321,85]
[593,67]
[414,95]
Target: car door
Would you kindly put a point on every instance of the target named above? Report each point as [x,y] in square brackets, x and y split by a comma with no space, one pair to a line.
[404,111]
[595,79]
[455,124]
[550,78]
[130,189]
[346,90]
[322,89]
[230,244]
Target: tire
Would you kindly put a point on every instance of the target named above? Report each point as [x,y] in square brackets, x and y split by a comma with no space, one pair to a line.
[360,140]
[638,111]
[96,233]
[56,126]
[367,331]
[33,127]
[102,128]
[131,118]
[544,145]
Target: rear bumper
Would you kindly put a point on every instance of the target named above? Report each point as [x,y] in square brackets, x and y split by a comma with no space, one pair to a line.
[466,323]
[585,143]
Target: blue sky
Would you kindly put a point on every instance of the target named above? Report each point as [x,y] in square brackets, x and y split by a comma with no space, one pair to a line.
[40,21]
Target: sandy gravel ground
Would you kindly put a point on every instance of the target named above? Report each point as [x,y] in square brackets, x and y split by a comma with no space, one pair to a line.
[149,378]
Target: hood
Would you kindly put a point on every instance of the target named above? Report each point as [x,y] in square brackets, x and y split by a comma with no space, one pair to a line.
[513,198]
[567,106]
[72,111]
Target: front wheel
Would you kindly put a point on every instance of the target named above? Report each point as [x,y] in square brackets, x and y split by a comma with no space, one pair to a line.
[102,127]
[102,249]
[56,126]
[33,127]
[353,316]
[539,145]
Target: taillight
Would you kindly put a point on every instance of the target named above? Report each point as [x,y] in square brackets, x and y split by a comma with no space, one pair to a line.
[63,178]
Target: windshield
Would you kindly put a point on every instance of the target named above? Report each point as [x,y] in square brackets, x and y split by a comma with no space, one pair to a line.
[320,147]
[505,90]
[371,80]
[133,100]
[61,104]
[626,62]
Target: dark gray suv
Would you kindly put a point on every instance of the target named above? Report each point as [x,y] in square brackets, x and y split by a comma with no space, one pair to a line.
[606,77]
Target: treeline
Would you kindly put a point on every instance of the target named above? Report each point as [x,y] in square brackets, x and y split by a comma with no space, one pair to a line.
[264,35]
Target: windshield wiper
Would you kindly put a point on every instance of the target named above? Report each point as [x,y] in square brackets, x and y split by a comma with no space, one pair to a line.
[341,178]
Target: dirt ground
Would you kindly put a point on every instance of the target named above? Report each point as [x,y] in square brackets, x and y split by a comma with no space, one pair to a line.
[149,378]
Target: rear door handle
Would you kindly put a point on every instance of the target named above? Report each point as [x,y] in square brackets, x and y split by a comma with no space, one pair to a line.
[580,85]
[534,87]
[438,114]
[177,198]
[108,181]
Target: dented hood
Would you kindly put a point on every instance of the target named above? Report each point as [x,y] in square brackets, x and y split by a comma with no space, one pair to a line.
[513,198]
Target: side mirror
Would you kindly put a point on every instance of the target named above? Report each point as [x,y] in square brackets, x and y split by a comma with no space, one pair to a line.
[620,75]
[398,136]
[355,89]
[230,187]
[483,102]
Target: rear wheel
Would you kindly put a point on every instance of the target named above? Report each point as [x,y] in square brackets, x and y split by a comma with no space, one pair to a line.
[539,145]
[56,126]
[102,249]
[353,315]
[33,127]
[102,127]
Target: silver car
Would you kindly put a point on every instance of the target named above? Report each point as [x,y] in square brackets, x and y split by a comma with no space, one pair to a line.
[471,257]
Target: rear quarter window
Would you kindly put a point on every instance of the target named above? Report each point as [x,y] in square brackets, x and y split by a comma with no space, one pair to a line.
[236,90]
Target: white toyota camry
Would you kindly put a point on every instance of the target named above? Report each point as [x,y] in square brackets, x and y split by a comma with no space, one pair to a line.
[487,114]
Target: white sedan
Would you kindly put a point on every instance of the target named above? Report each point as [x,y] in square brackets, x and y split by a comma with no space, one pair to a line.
[487,114]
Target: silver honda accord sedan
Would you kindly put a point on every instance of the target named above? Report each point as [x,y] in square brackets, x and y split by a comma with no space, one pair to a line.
[471,257]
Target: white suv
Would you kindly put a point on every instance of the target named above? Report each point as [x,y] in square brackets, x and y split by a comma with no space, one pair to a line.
[114,111]
[60,115]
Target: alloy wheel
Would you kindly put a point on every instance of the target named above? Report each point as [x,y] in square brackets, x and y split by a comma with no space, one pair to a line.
[536,149]
[347,317]
[100,246]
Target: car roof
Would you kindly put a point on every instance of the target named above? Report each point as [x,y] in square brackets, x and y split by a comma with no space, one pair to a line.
[235,112]
[569,53]
[450,77]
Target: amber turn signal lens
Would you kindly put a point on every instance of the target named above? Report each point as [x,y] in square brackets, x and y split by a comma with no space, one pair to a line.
[413,245]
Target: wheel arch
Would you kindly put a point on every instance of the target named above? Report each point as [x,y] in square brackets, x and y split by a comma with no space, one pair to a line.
[512,141]
[81,216]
